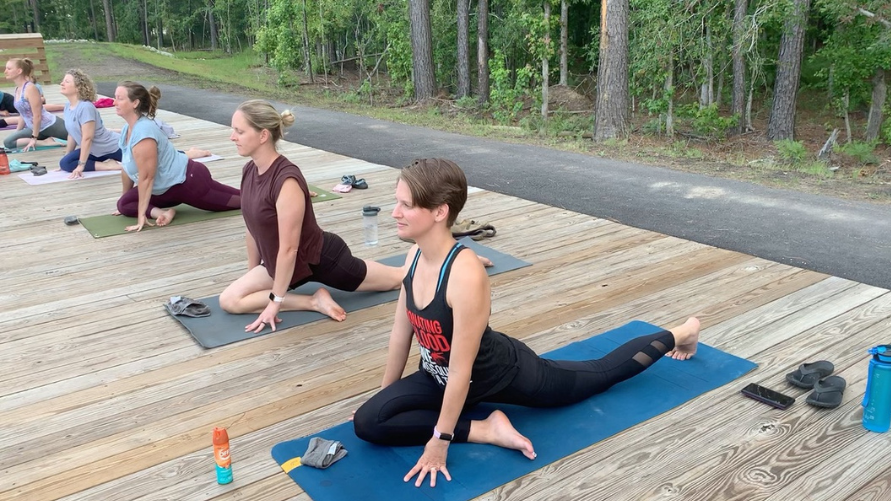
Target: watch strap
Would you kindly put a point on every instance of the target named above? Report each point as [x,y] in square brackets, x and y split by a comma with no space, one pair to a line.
[276,299]
[442,436]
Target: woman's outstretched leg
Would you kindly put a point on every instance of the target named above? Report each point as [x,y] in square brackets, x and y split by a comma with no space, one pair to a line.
[543,382]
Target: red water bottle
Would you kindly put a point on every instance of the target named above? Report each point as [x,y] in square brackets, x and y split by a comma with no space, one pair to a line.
[221,455]
[4,162]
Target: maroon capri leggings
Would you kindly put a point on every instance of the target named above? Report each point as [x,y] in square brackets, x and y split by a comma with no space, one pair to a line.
[198,190]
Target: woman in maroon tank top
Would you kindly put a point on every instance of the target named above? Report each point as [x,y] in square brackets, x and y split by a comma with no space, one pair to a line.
[285,246]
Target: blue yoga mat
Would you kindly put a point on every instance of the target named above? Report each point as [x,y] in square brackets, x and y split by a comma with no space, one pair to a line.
[371,472]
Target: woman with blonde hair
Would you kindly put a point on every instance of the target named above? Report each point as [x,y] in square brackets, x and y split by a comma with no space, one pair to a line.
[90,144]
[36,122]
[155,176]
[286,247]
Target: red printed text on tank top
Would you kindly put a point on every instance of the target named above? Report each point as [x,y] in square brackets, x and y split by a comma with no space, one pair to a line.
[435,347]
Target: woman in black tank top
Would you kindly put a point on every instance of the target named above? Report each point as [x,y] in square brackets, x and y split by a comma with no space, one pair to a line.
[445,304]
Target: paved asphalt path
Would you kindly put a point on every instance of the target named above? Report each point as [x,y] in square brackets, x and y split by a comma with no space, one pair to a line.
[846,239]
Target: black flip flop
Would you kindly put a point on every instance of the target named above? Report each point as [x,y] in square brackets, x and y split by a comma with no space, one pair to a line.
[360,184]
[38,170]
[808,374]
[828,392]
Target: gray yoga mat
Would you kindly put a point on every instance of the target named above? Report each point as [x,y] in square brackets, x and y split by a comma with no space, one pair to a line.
[222,328]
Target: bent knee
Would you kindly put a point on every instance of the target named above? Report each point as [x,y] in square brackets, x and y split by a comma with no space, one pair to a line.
[231,302]
[367,427]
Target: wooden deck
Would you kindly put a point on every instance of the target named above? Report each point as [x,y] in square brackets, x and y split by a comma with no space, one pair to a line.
[104,397]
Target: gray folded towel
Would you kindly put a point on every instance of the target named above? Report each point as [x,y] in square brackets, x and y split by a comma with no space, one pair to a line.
[187,307]
[323,453]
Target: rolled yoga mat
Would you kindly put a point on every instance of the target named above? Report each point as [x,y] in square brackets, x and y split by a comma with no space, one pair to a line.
[108,225]
[374,473]
[222,328]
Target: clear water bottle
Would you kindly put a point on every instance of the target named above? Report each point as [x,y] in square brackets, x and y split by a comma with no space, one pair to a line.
[877,399]
[369,223]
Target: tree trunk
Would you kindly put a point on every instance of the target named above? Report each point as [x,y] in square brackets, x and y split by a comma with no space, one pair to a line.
[109,24]
[545,81]
[36,11]
[422,50]
[307,57]
[737,101]
[611,109]
[463,48]
[707,93]
[782,113]
[482,51]
[669,93]
[847,103]
[145,29]
[93,21]
[213,25]
[564,42]
[158,25]
[879,93]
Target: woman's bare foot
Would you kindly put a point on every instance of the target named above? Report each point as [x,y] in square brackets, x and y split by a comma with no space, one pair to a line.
[486,261]
[497,430]
[313,194]
[165,217]
[109,164]
[322,302]
[686,336]
[194,153]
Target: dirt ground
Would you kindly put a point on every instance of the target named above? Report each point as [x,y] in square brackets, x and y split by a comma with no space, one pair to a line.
[748,157]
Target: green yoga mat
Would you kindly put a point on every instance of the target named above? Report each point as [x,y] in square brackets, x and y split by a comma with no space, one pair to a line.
[108,225]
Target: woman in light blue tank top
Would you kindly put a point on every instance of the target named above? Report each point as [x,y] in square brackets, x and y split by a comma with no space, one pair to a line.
[157,177]
[36,123]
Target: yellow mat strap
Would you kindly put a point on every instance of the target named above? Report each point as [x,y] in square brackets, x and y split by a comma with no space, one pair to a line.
[290,464]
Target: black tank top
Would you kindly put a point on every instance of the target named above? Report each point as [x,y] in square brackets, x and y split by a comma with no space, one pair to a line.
[495,363]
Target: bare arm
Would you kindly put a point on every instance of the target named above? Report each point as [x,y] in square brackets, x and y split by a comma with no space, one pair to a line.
[87,131]
[469,295]
[145,154]
[290,207]
[34,100]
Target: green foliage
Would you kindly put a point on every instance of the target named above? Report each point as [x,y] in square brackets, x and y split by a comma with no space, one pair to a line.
[791,152]
[863,152]
[707,121]
[506,95]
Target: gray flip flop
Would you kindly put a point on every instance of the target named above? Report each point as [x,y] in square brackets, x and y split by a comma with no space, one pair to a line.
[187,307]
[808,374]
[828,392]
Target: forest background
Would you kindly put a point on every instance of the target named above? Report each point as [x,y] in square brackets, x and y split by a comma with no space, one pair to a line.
[750,89]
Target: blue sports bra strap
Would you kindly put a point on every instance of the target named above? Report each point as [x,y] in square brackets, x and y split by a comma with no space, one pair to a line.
[447,264]
[414,263]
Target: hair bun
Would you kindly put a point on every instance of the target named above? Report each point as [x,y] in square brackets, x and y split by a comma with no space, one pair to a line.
[287,118]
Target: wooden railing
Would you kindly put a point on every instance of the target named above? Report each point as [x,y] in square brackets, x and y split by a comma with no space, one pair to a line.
[28,45]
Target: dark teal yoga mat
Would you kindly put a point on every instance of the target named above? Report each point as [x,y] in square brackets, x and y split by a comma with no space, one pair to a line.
[222,328]
[370,472]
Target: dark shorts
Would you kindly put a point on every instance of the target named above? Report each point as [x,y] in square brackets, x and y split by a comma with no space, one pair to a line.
[337,267]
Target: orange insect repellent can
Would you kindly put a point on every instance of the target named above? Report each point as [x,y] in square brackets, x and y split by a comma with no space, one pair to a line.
[221,455]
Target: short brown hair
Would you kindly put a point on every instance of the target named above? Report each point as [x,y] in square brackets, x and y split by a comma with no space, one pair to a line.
[434,182]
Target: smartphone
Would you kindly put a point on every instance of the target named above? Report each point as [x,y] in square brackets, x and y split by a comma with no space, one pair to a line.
[768,396]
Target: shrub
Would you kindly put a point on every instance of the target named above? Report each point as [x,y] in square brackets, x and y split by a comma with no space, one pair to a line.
[790,151]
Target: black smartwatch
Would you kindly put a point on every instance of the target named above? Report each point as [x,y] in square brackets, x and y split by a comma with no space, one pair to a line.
[276,299]
[442,436]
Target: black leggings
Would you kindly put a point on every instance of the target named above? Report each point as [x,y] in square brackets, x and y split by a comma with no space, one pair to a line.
[405,412]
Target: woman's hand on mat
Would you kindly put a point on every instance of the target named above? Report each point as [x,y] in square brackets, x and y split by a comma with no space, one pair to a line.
[76,174]
[32,144]
[433,461]
[140,222]
[268,316]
